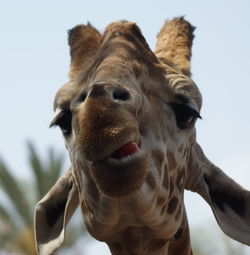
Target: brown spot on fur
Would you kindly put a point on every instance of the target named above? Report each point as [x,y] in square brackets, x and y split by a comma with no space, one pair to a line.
[151,181]
[181,246]
[171,161]
[158,158]
[156,244]
[161,200]
[172,205]
[178,234]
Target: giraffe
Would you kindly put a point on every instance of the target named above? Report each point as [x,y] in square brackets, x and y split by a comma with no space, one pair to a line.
[128,118]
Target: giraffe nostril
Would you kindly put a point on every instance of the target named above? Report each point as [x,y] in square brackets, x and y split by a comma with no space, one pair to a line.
[121,94]
[97,90]
[81,98]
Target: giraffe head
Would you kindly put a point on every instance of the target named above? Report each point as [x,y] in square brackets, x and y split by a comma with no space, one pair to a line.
[128,119]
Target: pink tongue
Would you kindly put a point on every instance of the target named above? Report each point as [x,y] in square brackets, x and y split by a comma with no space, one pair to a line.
[125,150]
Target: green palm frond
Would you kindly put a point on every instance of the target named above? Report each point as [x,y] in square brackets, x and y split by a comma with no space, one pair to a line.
[37,170]
[45,174]
[13,190]
[8,227]
[4,214]
[7,219]
[54,166]
[6,238]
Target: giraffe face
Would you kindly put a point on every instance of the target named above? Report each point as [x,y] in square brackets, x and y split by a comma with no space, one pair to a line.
[126,118]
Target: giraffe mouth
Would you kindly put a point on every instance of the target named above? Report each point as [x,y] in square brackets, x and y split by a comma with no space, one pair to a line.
[127,153]
[123,172]
[126,150]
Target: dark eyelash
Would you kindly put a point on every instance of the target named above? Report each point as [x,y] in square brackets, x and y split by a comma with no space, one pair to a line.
[185,115]
[63,120]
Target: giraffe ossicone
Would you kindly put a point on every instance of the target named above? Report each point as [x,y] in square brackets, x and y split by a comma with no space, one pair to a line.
[128,119]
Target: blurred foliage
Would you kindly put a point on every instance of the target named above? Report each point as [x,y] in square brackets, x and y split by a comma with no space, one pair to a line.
[210,239]
[17,208]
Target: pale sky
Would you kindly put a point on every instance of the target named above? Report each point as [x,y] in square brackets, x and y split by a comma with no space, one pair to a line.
[35,59]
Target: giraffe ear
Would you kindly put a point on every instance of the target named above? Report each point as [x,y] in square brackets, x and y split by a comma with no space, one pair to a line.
[84,41]
[229,202]
[174,43]
[52,214]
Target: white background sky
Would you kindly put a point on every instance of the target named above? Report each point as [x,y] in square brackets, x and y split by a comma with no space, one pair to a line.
[34,62]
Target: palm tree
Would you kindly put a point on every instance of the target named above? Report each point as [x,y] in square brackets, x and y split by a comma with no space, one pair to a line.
[17,208]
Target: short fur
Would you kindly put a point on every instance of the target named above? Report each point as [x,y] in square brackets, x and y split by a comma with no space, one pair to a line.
[174,43]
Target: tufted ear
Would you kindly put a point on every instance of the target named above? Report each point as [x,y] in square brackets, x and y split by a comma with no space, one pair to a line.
[229,202]
[84,41]
[174,43]
[53,212]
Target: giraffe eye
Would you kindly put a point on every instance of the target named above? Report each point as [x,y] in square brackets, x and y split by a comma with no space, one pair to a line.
[185,115]
[63,119]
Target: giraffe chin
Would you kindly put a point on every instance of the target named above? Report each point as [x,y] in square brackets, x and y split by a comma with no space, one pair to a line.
[120,177]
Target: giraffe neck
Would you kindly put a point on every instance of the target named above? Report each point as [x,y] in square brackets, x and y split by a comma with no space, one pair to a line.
[138,241]
[147,223]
